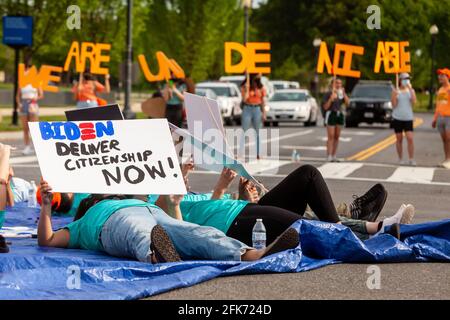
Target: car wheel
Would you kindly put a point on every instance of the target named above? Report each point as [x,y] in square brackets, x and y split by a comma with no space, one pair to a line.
[275,124]
[351,124]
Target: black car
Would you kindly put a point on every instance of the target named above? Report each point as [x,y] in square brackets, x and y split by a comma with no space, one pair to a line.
[370,102]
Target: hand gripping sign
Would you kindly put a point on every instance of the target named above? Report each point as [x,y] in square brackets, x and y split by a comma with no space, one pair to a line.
[251,60]
[108,157]
[167,67]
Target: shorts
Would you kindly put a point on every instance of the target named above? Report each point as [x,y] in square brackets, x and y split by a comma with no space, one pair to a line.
[87,104]
[334,118]
[400,126]
[29,107]
[443,124]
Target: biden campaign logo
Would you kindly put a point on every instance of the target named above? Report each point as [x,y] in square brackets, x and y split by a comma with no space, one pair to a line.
[73,131]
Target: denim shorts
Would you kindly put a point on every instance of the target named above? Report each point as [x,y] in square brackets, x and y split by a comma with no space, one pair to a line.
[87,104]
[29,107]
[443,124]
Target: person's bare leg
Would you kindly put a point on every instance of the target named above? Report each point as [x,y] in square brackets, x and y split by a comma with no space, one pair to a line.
[25,129]
[337,135]
[399,145]
[330,141]
[5,152]
[446,140]
[410,139]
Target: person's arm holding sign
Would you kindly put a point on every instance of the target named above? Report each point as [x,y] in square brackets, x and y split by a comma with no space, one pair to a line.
[46,236]
[413,94]
[173,206]
[226,178]
[329,99]
[346,98]
[179,94]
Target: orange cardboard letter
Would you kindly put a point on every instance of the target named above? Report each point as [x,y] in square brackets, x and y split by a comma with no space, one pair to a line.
[249,57]
[346,69]
[41,78]
[166,67]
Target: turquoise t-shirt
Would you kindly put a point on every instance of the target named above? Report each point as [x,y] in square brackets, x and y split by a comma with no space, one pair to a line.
[2,218]
[85,232]
[219,214]
[191,197]
[175,100]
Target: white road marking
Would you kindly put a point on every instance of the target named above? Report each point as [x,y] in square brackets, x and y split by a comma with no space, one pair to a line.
[412,175]
[358,133]
[265,166]
[25,159]
[338,170]
[313,148]
[341,139]
[286,136]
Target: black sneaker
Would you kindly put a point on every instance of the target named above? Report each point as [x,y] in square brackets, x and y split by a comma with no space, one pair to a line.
[394,230]
[287,240]
[369,206]
[3,245]
[162,246]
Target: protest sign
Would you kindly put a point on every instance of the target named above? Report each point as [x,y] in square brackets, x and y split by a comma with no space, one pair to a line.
[88,51]
[154,107]
[250,58]
[109,112]
[393,57]
[167,67]
[203,117]
[206,156]
[335,68]
[41,78]
[109,157]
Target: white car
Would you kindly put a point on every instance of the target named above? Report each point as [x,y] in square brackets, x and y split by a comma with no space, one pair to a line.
[228,97]
[283,84]
[239,79]
[208,93]
[292,105]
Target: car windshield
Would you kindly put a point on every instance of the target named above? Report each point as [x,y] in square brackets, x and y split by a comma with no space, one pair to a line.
[376,92]
[205,92]
[220,91]
[279,86]
[289,96]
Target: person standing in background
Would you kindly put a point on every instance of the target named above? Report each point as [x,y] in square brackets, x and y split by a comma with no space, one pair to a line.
[253,111]
[86,90]
[403,100]
[173,94]
[27,99]
[441,119]
[334,116]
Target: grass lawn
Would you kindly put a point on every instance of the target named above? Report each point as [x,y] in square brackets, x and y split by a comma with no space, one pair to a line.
[5,124]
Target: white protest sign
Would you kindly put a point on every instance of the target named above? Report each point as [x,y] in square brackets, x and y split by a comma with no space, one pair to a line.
[204,115]
[109,157]
[206,156]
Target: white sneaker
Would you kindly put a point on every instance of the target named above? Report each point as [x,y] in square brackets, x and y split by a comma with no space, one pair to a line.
[408,214]
[330,159]
[446,164]
[396,218]
[27,150]
[402,162]
[412,162]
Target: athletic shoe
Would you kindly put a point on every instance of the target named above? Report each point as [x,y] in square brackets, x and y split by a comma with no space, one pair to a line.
[162,246]
[27,150]
[329,159]
[402,162]
[412,162]
[394,230]
[289,239]
[408,214]
[369,206]
[335,159]
[395,219]
[3,245]
[446,164]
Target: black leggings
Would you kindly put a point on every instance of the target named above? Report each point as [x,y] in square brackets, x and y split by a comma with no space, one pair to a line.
[174,114]
[285,204]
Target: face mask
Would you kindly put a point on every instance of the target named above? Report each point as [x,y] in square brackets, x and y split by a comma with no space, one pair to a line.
[405,82]
[340,94]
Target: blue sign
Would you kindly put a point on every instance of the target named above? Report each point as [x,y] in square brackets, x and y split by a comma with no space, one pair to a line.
[18,30]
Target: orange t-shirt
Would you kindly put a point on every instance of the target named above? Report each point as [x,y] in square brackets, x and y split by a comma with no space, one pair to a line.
[442,103]
[88,90]
[256,96]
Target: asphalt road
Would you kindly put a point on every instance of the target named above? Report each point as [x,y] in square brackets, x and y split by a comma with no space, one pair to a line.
[373,159]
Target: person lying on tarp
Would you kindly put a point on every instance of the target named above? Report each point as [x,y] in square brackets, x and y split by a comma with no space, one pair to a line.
[284,204]
[132,228]
[5,152]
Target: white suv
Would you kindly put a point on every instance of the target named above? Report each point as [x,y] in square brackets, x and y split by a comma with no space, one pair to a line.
[228,97]
[239,79]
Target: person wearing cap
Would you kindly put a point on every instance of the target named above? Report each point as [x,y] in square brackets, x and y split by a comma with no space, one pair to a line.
[403,100]
[441,119]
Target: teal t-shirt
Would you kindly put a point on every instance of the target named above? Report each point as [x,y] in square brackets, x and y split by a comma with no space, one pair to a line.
[85,232]
[191,197]
[175,100]
[77,198]
[219,214]
[2,218]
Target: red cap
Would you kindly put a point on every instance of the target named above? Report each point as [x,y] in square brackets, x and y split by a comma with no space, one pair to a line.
[444,71]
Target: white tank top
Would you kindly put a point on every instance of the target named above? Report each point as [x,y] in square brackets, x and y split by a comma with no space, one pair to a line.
[29,93]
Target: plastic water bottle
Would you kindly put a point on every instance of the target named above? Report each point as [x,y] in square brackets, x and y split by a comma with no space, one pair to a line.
[259,235]
[297,157]
[32,202]
[294,155]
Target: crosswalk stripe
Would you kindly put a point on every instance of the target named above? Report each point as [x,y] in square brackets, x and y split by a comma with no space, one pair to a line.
[26,159]
[412,175]
[339,170]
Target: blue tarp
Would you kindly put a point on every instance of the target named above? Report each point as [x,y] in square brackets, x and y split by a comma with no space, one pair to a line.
[31,272]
